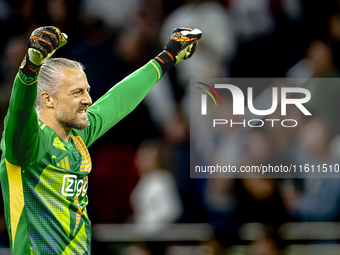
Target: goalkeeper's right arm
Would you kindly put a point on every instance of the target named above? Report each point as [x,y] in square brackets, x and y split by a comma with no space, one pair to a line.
[21,121]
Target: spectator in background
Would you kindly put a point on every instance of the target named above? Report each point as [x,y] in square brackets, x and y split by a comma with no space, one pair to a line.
[216,47]
[267,243]
[221,205]
[14,51]
[259,199]
[115,180]
[319,199]
[251,18]
[318,62]
[325,97]
[155,198]
[334,37]
[269,36]
[320,56]
[136,42]
[64,14]
[113,13]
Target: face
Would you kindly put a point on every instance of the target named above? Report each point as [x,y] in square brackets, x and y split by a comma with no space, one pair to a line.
[74,99]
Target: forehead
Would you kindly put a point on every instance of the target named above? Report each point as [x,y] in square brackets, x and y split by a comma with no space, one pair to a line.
[72,78]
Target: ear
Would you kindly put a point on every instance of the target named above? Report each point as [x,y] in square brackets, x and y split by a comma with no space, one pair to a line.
[47,100]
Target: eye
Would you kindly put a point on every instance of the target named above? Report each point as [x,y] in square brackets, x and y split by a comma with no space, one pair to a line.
[77,93]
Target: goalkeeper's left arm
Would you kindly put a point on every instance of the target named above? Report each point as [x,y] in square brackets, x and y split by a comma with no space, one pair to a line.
[127,94]
[182,45]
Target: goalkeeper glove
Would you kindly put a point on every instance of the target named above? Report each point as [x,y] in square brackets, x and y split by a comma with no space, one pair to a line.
[182,45]
[44,41]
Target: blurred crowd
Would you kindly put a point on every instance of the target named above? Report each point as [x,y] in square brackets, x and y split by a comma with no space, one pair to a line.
[141,166]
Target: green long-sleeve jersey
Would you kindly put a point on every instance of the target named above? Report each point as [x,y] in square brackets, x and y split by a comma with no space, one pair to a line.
[44,179]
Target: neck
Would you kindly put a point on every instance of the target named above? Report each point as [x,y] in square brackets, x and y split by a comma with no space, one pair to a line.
[60,130]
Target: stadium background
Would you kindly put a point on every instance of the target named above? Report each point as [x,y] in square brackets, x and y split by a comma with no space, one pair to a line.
[141,166]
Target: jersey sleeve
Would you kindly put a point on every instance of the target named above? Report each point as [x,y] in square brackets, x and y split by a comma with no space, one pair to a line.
[120,100]
[20,137]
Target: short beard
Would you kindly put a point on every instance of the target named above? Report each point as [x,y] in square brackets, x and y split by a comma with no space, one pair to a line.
[69,122]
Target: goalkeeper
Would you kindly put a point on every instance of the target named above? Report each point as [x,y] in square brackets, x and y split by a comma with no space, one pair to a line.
[49,125]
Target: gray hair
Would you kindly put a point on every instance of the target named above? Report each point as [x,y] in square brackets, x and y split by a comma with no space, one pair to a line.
[49,77]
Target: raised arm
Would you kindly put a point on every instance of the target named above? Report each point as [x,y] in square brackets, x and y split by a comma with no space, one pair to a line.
[127,94]
[21,122]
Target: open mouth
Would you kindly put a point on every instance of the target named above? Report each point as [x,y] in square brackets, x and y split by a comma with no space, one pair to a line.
[84,112]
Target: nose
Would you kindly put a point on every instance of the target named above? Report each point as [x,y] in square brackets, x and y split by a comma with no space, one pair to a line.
[87,100]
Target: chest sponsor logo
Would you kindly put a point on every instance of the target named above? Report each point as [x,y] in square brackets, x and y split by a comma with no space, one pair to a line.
[73,186]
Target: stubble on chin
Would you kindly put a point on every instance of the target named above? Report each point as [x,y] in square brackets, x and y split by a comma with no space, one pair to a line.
[71,122]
